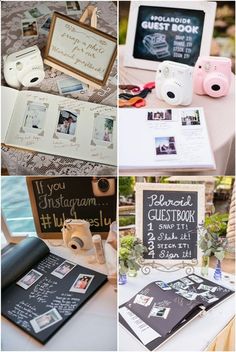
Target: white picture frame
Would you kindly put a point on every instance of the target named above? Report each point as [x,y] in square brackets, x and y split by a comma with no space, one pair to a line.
[140,188]
[209,9]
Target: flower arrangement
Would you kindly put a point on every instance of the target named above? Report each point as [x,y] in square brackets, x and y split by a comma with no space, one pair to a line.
[211,240]
[131,250]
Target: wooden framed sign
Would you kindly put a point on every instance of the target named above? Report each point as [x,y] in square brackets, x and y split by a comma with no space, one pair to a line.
[167,220]
[178,31]
[79,50]
[55,199]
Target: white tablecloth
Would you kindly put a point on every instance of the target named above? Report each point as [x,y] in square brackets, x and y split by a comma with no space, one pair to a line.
[195,336]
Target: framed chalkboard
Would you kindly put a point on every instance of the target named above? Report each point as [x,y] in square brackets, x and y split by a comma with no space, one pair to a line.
[54,199]
[167,220]
[169,30]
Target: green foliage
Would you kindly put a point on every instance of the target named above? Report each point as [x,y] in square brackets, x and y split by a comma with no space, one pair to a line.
[217,223]
[211,240]
[126,186]
[131,249]
[127,220]
[122,30]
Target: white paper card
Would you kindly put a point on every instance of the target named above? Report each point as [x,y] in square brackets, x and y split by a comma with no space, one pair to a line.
[144,332]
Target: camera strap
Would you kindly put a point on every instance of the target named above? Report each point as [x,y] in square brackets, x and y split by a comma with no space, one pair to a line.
[90,13]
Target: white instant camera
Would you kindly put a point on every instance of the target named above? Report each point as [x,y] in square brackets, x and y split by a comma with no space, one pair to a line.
[76,235]
[24,67]
[174,83]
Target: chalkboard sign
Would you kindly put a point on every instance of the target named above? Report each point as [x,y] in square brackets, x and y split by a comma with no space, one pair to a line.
[170,31]
[54,199]
[167,220]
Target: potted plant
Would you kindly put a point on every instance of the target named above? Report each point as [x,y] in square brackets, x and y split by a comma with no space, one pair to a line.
[131,250]
[212,242]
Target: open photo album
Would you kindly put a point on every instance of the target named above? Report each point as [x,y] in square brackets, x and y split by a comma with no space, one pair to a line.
[44,290]
[161,309]
[157,139]
[60,126]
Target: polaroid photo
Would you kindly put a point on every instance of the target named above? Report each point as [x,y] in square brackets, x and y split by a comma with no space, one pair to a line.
[45,320]
[34,117]
[207,296]
[207,288]
[45,28]
[163,285]
[103,130]
[186,281]
[63,269]
[37,11]
[159,312]
[190,118]
[29,29]
[82,283]
[191,296]
[67,124]
[73,8]
[165,146]
[196,279]
[71,85]
[143,300]
[160,115]
[29,279]
[178,286]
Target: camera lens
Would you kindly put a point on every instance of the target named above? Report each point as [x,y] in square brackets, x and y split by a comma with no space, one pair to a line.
[34,80]
[215,87]
[170,95]
[103,185]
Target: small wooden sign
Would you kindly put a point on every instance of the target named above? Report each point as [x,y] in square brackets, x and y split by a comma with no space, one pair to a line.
[167,220]
[54,199]
[79,50]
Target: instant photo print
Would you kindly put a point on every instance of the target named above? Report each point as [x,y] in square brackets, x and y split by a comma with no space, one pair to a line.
[171,30]
[41,284]
[60,126]
[170,310]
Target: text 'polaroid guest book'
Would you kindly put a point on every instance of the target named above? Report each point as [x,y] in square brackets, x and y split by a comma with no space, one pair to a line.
[159,310]
[164,139]
[41,291]
[60,126]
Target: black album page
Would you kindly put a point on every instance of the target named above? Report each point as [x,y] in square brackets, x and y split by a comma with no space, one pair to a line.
[43,298]
[160,309]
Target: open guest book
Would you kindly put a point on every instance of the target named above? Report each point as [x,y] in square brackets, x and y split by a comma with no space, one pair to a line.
[41,291]
[60,126]
[160,310]
[158,139]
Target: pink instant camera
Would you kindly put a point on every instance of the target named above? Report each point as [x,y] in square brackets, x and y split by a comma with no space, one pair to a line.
[212,76]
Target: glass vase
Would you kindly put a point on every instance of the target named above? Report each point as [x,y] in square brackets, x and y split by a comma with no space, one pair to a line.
[205,265]
[132,273]
[122,279]
[218,272]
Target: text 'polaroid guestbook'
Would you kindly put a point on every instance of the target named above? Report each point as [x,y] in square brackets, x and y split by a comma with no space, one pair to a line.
[44,290]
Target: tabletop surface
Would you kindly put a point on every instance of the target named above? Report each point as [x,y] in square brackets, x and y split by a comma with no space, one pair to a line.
[93,327]
[219,114]
[23,162]
[204,329]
